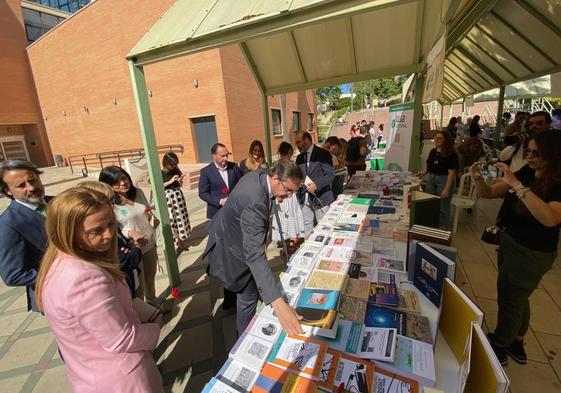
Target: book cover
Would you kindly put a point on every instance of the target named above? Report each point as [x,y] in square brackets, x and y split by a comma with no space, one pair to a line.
[358,289]
[321,299]
[408,301]
[276,380]
[318,309]
[216,386]
[362,258]
[361,201]
[424,209]
[347,338]
[430,269]
[337,254]
[333,266]
[348,227]
[391,382]
[414,326]
[292,283]
[352,309]
[383,294]
[380,210]
[337,240]
[237,375]
[263,327]
[298,354]
[392,264]
[327,280]
[354,374]
[251,351]
[329,370]
[356,208]
[377,344]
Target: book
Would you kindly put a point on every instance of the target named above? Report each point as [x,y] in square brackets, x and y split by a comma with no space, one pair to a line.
[263,327]
[333,266]
[318,237]
[377,343]
[424,210]
[342,239]
[216,386]
[486,373]
[383,294]
[381,210]
[391,382]
[358,289]
[449,252]
[338,254]
[361,201]
[352,309]
[251,350]
[391,264]
[274,380]
[362,258]
[318,309]
[413,359]
[347,338]
[366,273]
[407,301]
[327,280]
[430,269]
[237,375]
[302,262]
[299,355]
[354,374]
[292,283]
[414,326]
[329,370]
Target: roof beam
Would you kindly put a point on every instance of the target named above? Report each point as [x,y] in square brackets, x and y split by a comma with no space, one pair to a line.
[419,30]
[497,81]
[375,74]
[452,61]
[296,52]
[503,47]
[539,16]
[465,77]
[349,23]
[251,63]
[470,17]
[522,36]
[453,87]
[504,67]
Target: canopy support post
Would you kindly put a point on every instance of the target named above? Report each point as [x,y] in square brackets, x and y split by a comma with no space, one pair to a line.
[414,154]
[152,160]
[267,127]
[499,124]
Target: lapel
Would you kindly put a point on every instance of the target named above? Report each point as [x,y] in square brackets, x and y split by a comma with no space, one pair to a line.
[30,225]
[231,175]
[217,174]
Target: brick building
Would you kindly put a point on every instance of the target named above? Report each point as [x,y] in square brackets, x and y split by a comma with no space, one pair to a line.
[83,85]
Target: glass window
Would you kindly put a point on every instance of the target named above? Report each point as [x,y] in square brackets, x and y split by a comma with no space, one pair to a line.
[295,121]
[33,32]
[277,126]
[31,16]
[310,122]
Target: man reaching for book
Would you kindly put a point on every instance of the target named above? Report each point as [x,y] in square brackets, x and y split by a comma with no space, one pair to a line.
[237,241]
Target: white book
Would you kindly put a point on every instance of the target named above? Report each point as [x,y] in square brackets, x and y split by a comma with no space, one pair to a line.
[377,344]
[237,375]
[217,386]
[390,264]
[339,254]
[302,262]
[265,328]
[291,283]
[251,350]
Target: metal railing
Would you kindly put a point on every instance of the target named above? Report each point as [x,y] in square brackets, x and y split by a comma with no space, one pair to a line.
[88,163]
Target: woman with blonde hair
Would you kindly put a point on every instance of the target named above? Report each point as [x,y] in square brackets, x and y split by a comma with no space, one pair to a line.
[105,337]
[255,158]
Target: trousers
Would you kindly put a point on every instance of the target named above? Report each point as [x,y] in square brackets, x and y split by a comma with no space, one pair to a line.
[435,185]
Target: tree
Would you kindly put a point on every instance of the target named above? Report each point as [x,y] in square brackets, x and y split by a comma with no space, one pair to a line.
[383,88]
[328,93]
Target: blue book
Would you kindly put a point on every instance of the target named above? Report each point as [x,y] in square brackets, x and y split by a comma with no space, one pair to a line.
[320,299]
[374,209]
[429,270]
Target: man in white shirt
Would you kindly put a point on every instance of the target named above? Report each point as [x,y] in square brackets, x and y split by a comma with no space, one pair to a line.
[23,240]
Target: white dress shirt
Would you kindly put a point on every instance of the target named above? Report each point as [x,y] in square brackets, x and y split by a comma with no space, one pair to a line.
[223,173]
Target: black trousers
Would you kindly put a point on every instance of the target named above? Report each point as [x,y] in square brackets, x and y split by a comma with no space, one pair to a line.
[246,305]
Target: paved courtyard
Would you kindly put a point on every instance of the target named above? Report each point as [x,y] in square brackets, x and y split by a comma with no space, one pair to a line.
[197,335]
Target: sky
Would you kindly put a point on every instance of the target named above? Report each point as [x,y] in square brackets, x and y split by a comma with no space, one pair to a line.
[346,88]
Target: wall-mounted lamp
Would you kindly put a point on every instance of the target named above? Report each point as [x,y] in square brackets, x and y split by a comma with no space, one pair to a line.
[64,113]
[114,100]
[196,83]
[149,93]
[86,109]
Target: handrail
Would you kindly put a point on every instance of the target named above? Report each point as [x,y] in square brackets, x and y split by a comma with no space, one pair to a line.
[115,157]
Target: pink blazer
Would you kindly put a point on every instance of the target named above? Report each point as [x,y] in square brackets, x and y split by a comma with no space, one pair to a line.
[98,328]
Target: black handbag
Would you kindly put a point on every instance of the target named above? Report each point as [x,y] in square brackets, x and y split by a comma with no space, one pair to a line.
[491,234]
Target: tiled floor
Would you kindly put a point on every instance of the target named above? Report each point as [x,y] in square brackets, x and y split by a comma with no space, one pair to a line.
[195,340]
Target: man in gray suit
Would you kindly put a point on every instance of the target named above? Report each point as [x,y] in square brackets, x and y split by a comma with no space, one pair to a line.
[317,165]
[237,238]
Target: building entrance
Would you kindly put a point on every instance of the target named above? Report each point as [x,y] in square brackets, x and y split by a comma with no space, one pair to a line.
[205,136]
[13,149]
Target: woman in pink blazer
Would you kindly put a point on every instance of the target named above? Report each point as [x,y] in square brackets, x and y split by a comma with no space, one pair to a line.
[105,337]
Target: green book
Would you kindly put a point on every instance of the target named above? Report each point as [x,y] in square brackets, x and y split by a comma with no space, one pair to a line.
[361,201]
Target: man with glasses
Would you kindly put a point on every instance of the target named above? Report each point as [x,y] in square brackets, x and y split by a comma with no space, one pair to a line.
[237,239]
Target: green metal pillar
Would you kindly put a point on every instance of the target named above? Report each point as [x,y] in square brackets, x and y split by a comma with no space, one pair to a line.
[153,163]
[266,124]
[499,125]
[414,154]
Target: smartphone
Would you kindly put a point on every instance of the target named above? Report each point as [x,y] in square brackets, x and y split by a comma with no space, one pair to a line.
[488,168]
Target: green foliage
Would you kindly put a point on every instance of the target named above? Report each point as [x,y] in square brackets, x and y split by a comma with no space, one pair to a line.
[383,88]
[328,93]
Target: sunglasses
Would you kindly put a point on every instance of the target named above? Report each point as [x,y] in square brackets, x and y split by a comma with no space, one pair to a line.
[533,152]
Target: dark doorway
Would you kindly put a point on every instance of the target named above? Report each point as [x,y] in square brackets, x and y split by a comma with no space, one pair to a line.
[205,135]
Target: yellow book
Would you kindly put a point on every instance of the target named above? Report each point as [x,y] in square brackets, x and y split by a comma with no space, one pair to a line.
[456,315]
[486,374]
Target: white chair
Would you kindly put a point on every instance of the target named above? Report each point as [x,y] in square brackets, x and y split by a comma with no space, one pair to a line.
[465,198]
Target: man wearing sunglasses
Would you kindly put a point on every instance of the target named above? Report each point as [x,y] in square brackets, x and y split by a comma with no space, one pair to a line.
[237,238]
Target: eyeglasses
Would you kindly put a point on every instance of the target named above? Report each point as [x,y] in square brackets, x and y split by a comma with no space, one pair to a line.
[533,152]
[287,190]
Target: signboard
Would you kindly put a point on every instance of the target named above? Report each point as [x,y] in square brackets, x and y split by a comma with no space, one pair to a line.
[400,135]
[434,79]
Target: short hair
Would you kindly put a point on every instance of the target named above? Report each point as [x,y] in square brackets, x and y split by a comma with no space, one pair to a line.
[112,175]
[285,148]
[11,165]
[170,161]
[546,115]
[308,136]
[333,140]
[287,170]
[215,147]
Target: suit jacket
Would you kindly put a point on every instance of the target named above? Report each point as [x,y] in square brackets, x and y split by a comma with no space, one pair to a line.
[237,238]
[23,242]
[320,171]
[98,328]
[211,185]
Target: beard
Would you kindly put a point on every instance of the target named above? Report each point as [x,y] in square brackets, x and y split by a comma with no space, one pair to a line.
[34,198]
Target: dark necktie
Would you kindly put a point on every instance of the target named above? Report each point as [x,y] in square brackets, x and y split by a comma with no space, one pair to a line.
[42,210]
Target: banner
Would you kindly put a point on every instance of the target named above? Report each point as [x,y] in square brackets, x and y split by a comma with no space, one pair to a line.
[434,79]
[399,138]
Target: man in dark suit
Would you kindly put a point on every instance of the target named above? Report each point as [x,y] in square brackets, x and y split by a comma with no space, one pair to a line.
[217,179]
[237,241]
[23,240]
[216,182]
[317,166]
